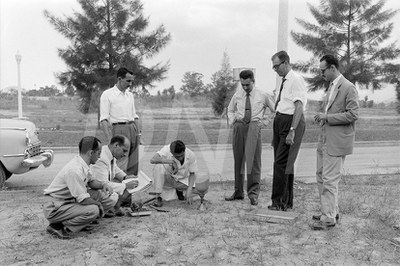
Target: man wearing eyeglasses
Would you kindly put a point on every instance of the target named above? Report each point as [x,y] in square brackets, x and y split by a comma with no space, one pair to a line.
[336,140]
[288,130]
[118,117]
[245,112]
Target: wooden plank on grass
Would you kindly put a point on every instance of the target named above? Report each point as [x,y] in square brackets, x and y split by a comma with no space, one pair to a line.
[274,216]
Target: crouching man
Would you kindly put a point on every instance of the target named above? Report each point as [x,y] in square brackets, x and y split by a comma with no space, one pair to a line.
[74,199]
[175,167]
[106,170]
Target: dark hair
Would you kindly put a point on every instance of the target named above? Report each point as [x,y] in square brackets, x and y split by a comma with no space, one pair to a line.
[177,146]
[330,60]
[282,55]
[89,143]
[247,74]
[121,73]
[120,139]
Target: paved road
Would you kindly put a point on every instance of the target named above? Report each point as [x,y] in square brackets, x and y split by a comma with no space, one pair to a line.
[217,161]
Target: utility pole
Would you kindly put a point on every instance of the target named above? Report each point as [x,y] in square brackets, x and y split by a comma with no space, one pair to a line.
[18,57]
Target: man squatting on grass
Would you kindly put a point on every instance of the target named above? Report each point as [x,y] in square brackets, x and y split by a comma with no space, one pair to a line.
[107,171]
[74,199]
[175,167]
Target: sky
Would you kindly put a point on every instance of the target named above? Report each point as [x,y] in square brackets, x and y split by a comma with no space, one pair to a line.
[201,31]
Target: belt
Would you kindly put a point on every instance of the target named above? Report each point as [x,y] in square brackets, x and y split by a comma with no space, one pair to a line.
[123,123]
[277,113]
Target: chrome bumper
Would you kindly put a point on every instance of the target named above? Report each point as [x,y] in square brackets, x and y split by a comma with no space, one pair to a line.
[46,158]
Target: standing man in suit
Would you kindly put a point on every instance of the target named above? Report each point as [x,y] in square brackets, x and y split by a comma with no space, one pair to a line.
[118,117]
[245,112]
[289,127]
[337,121]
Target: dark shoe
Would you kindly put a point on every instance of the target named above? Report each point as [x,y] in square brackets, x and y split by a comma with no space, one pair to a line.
[158,203]
[95,222]
[274,207]
[109,214]
[234,197]
[180,195]
[119,213]
[136,205]
[254,201]
[318,217]
[58,233]
[88,228]
[322,226]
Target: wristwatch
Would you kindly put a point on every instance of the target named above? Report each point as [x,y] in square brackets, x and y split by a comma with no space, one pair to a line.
[292,128]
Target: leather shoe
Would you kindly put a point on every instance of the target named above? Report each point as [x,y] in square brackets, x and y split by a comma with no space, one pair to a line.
[234,197]
[254,201]
[58,233]
[109,214]
[88,228]
[119,213]
[158,203]
[322,226]
[318,217]
[180,195]
[274,207]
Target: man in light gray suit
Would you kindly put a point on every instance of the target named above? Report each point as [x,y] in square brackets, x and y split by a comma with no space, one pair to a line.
[336,140]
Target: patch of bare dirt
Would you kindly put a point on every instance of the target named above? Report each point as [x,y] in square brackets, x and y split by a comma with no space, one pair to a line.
[225,234]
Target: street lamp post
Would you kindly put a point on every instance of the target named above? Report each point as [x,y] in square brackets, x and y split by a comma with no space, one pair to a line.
[18,57]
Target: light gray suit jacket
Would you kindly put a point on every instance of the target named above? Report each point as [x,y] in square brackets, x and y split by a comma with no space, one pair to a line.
[342,113]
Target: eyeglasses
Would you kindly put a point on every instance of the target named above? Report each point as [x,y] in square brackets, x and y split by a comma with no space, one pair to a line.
[129,81]
[323,70]
[275,67]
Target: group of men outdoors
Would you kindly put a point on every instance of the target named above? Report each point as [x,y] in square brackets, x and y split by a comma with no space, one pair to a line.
[96,182]
[336,120]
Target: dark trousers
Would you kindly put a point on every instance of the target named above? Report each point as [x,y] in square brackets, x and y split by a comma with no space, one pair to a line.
[246,145]
[284,159]
[129,165]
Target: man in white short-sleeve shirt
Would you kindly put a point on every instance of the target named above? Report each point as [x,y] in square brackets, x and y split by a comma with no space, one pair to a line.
[175,167]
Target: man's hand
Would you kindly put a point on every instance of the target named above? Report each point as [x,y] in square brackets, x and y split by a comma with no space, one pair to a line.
[132,184]
[174,167]
[290,138]
[130,176]
[107,189]
[189,198]
[321,118]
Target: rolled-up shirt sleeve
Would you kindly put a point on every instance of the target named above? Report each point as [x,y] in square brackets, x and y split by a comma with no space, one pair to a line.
[76,184]
[104,107]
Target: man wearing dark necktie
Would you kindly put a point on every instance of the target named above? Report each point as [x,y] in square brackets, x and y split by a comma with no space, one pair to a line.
[288,130]
[245,113]
[336,140]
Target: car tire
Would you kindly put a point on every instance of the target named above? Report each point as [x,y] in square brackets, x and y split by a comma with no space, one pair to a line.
[4,175]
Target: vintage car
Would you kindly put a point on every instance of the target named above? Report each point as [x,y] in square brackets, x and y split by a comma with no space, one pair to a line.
[20,148]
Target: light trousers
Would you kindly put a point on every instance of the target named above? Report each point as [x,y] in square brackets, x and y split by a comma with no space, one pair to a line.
[328,175]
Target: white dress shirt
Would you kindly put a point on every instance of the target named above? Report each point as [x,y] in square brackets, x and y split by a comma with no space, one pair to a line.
[188,166]
[259,101]
[294,89]
[117,106]
[71,181]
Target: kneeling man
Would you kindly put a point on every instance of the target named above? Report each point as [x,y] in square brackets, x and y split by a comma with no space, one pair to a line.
[74,199]
[106,170]
[175,167]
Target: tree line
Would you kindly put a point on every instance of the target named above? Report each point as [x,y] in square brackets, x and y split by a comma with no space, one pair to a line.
[111,33]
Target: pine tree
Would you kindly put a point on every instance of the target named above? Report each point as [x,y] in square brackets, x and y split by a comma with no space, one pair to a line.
[222,86]
[355,31]
[108,34]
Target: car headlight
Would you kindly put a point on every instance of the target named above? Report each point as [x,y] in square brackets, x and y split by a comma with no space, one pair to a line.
[27,139]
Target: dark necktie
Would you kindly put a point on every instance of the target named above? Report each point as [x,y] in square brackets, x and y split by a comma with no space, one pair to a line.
[247,109]
[110,175]
[279,95]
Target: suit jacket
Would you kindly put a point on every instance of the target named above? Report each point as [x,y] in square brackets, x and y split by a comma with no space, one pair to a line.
[342,113]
